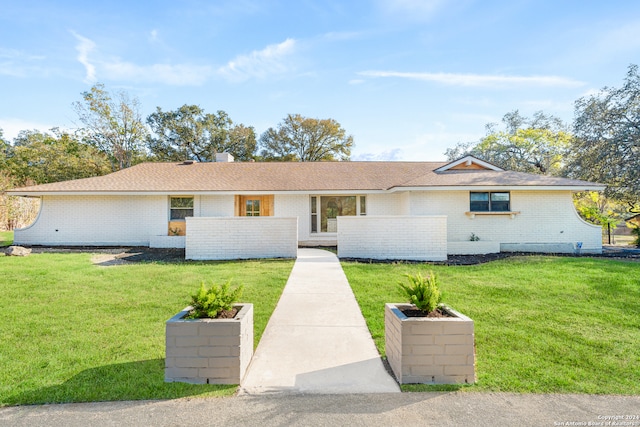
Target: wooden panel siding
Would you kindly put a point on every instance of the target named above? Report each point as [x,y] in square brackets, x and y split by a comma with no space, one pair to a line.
[177,228]
[266,205]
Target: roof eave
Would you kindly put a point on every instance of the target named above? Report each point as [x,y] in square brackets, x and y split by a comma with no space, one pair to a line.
[487,187]
[575,188]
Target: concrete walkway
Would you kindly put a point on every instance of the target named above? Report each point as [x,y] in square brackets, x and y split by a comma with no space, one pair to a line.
[317,340]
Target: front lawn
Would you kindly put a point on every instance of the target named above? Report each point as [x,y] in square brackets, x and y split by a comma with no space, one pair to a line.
[6,238]
[542,324]
[71,331]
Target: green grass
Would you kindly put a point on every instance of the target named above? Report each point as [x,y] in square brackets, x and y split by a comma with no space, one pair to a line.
[542,324]
[6,238]
[71,331]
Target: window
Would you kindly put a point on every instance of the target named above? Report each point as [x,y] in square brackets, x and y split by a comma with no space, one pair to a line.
[363,205]
[314,214]
[181,207]
[489,202]
[253,207]
[325,211]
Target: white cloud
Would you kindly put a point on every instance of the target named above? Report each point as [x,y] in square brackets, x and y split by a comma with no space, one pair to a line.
[116,69]
[11,127]
[621,39]
[153,36]
[590,92]
[260,63]
[84,48]
[415,10]
[16,63]
[477,79]
[342,35]
[175,75]
[389,155]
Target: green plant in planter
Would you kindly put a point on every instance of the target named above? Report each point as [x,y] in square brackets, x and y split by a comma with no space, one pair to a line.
[210,303]
[423,292]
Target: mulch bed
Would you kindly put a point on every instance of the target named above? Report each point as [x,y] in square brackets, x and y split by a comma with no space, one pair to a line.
[414,312]
[145,254]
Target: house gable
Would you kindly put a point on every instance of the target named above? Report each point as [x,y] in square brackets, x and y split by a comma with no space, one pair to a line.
[469,163]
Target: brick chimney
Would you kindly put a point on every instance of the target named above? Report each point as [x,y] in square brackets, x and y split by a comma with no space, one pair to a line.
[224,157]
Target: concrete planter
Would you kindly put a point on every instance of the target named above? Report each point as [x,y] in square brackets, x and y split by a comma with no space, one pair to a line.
[429,350]
[209,351]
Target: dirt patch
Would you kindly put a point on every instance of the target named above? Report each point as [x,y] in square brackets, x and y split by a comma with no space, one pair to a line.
[414,312]
[109,256]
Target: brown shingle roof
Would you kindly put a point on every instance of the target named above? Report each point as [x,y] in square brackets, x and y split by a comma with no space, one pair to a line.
[292,176]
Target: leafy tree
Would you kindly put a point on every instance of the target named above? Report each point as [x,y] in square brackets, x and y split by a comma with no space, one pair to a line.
[606,147]
[189,133]
[114,126]
[304,139]
[535,145]
[636,232]
[4,150]
[42,157]
[15,211]
[597,209]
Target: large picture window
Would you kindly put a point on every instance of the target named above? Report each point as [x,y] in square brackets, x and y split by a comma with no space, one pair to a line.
[489,202]
[181,207]
[325,211]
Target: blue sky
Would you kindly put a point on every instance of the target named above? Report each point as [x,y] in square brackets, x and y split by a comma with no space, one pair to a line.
[406,78]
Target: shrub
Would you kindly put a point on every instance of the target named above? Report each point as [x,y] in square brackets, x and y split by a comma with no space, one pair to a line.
[210,303]
[423,292]
[636,232]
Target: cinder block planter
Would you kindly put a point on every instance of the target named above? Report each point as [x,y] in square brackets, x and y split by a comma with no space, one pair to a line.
[209,351]
[428,350]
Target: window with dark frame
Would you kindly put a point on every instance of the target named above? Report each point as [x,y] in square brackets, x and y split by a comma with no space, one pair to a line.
[489,201]
[181,207]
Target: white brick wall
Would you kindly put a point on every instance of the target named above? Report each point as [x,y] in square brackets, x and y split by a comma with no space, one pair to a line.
[216,206]
[545,217]
[420,238]
[294,206]
[241,238]
[96,221]
[387,204]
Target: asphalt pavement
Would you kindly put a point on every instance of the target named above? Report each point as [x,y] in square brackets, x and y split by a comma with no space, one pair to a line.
[379,409]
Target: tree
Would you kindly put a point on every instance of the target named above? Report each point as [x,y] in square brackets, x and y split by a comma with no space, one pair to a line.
[40,158]
[597,209]
[304,139]
[536,145]
[606,147]
[15,211]
[114,126]
[189,133]
[5,149]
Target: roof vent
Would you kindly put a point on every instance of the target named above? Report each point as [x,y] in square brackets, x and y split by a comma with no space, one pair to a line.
[189,162]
